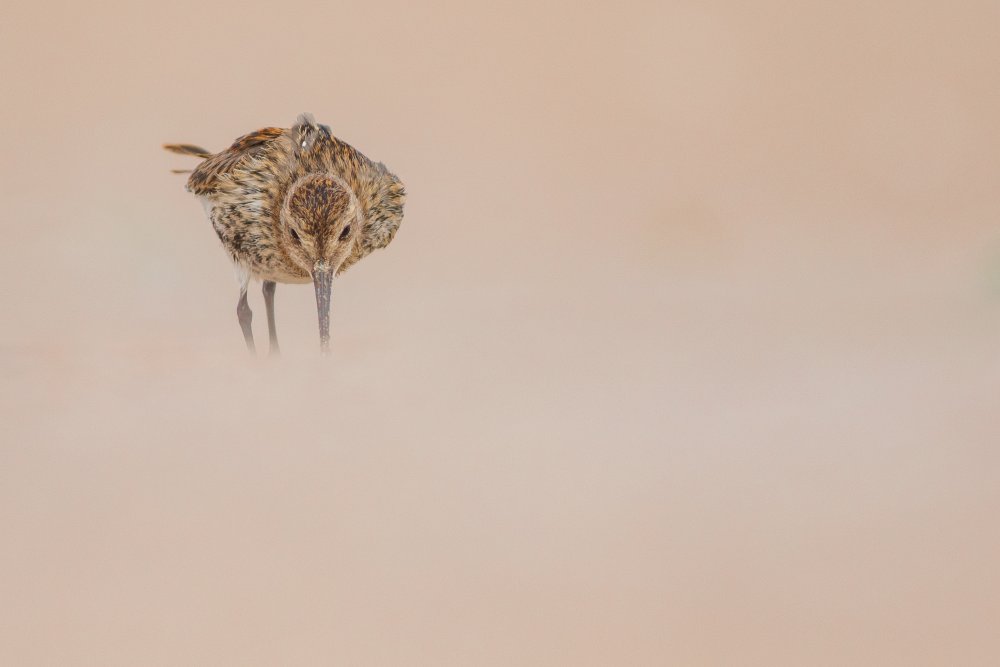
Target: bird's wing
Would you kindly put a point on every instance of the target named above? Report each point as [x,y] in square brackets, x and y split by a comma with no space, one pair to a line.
[207,177]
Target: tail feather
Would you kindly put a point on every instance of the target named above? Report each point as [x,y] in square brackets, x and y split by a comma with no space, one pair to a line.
[188,149]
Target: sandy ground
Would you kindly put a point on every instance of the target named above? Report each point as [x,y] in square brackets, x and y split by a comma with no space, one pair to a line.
[686,352]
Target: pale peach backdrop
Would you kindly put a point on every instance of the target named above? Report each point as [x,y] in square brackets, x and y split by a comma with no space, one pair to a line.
[687,352]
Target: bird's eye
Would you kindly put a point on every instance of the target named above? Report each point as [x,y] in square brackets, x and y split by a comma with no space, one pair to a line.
[344,234]
[295,235]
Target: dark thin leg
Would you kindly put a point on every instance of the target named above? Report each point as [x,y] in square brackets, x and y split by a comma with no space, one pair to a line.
[245,315]
[269,287]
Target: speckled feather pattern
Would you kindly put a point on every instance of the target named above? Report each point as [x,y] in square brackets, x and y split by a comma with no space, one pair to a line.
[246,189]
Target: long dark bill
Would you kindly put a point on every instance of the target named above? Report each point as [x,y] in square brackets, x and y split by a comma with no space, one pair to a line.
[322,279]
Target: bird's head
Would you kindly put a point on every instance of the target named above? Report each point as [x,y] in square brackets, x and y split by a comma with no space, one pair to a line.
[320,222]
[320,226]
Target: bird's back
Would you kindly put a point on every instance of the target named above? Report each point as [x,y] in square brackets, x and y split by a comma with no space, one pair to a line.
[249,154]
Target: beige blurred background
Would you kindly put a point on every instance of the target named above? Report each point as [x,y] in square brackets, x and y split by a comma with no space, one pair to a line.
[687,352]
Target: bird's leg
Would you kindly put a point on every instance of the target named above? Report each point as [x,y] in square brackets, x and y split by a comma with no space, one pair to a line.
[269,287]
[245,315]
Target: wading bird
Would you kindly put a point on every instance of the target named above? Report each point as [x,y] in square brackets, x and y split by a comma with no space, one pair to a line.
[294,206]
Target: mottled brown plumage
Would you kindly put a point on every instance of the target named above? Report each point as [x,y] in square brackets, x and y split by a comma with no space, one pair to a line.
[293,206]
